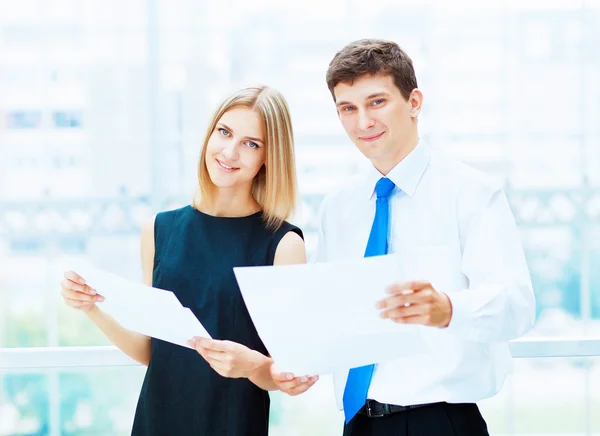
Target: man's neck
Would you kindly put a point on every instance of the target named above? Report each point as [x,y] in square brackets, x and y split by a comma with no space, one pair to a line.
[384,166]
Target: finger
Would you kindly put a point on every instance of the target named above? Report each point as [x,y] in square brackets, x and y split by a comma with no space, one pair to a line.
[76,295]
[397,300]
[300,389]
[73,276]
[416,319]
[75,304]
[214,356]
[289,386]
[279,376]
[310,382]
[80,296]
[297,381]
[212,344]
[89,290]
[414,285]
[421,296]
[405,311]
[282,377]
[205,352]
[69,284]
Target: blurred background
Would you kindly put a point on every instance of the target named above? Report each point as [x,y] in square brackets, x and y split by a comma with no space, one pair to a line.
[103,107]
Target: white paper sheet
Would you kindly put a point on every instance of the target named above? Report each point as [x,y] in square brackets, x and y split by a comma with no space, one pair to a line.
[316,318]
[141,308]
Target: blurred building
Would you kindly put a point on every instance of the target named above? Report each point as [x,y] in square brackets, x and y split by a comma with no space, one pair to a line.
[104,105]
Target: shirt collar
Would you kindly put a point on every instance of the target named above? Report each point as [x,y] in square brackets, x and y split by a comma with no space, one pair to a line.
[406,175]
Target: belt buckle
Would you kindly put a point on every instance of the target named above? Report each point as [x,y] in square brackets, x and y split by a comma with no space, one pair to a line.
[370,413]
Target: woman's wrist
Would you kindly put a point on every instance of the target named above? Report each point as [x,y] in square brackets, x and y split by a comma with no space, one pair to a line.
[92,311]
[262,365]
[261,375]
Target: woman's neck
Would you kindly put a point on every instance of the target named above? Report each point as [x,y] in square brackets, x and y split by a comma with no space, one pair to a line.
[229,204]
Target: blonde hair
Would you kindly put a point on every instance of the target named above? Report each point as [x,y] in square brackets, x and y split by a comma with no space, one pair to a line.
[275,185]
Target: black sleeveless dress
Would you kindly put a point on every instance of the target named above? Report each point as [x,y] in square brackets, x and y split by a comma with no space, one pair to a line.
[194,257]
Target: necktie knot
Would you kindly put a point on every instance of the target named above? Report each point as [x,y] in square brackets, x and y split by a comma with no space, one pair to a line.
[384,187]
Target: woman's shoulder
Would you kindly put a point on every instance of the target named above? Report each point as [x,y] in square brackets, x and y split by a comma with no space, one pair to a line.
[287,227]
[174,213]
[280,230]
[289,246]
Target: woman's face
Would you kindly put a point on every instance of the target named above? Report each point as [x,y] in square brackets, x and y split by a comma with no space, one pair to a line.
[235,152]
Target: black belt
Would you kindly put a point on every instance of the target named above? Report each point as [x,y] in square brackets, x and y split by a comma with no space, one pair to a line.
[374,409]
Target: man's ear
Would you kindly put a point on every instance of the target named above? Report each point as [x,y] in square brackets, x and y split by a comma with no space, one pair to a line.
[416,102]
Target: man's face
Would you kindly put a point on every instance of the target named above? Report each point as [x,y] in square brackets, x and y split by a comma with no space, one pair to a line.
[378,119]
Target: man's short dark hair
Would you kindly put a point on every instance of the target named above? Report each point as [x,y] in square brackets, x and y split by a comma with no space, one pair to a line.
[368,57]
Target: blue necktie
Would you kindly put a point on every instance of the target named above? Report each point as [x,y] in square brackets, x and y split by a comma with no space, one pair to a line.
[359,379]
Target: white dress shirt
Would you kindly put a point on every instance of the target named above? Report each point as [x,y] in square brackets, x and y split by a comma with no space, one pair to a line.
[455,228]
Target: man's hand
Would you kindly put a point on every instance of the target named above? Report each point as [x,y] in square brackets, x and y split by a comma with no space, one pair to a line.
[291,385]
[416,303]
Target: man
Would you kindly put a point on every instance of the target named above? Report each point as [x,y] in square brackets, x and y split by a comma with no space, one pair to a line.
[454,226]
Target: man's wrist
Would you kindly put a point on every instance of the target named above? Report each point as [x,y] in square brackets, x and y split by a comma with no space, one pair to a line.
[449,311]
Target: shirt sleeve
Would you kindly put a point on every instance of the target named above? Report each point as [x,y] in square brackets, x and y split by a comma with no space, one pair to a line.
[499,303]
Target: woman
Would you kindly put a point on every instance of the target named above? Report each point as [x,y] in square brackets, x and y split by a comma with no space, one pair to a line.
[247,189]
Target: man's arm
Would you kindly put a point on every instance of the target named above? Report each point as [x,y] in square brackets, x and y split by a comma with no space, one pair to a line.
[499,304]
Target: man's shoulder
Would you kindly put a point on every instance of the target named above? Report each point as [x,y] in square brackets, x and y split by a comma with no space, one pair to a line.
[451,171]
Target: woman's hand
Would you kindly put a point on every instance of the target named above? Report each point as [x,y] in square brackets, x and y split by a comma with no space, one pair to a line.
[77,294]
[286,382]
[228,358]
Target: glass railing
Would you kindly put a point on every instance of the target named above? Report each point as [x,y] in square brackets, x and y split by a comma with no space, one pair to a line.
[553,389]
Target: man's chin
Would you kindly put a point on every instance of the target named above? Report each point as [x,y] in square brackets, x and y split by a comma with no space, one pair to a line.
[372,153]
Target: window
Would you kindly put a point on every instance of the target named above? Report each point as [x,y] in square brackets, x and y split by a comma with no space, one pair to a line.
[24,119]
[68,119]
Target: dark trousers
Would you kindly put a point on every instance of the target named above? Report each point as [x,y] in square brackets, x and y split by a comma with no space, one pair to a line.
[440,419]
